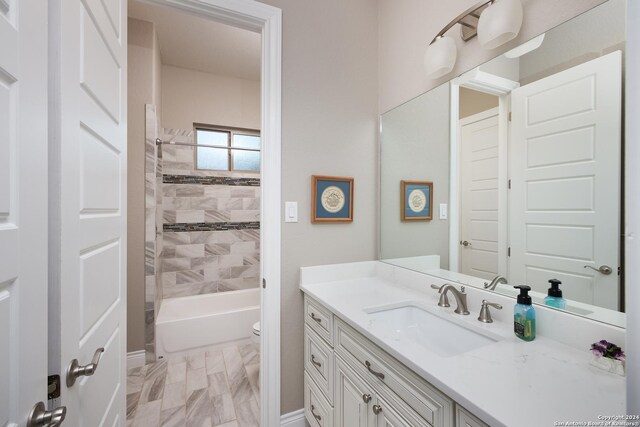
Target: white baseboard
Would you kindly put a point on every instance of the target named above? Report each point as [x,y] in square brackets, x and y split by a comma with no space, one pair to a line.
[294,419]
[135,359]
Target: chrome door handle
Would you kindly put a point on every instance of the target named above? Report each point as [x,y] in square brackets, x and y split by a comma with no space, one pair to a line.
[377,374]
[465,243]
[313,360]
[74,371]
[317,319]
[366,398]
[377,409]
[313,412]
[604,269]
[40,417]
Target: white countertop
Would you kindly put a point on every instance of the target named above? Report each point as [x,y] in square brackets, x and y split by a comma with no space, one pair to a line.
[509,383]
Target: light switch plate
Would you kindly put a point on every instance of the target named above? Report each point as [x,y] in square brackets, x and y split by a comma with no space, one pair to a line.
[290,211]
[443,211]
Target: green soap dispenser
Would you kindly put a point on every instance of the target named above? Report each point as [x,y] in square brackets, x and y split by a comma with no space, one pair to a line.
[524,317]
[554,295]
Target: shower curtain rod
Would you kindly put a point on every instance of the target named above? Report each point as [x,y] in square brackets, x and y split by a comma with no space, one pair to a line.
[190,144]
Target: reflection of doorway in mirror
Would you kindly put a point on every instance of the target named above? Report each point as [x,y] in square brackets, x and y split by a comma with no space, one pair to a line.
[479,202]
[565,193]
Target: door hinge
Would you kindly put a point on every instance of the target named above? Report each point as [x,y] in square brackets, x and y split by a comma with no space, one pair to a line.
[509,184]
[53,386]
[509,115]
[264,283]
[509,251]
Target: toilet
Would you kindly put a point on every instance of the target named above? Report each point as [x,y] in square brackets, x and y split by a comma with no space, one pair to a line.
[255,336]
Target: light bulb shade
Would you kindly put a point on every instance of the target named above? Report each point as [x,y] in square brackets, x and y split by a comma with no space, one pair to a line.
[440,57]
[499,23]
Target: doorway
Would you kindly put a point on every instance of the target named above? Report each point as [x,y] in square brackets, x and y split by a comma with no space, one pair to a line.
[264,20]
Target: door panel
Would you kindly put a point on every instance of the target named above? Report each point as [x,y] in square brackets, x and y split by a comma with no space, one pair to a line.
[565,174]
[23,208]
[479,188]
[92,170]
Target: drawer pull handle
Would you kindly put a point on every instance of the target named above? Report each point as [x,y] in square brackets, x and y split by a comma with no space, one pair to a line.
[313,360]
[317,319]
[377,409]
[366,398]
[316,416]
[377,374]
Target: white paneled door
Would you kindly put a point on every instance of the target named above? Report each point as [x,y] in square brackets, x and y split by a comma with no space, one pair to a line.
[479,186]
[91,243]
[23,208]
[565,189]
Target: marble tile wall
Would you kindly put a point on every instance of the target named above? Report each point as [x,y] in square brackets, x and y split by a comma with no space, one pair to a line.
[153,288]
[211,225]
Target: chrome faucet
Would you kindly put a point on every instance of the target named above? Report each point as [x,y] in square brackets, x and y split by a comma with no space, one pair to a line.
[492,286]
[460,296]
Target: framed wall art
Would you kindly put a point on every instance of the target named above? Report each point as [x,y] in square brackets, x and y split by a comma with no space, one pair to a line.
[331,199]
[417,200]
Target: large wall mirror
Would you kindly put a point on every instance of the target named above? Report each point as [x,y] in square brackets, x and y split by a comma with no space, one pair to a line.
[524,156]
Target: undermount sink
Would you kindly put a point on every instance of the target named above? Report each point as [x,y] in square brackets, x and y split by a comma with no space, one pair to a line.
[430,331]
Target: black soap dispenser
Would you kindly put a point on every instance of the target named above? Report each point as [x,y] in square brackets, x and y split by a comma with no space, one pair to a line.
[524,317]
[554,295]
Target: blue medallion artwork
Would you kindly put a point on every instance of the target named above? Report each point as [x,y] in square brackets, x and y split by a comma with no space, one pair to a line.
[333,199]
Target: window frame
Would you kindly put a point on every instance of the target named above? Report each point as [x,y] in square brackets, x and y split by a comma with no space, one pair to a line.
[230,131]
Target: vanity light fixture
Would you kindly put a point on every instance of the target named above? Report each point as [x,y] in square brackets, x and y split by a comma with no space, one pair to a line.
[495,22]
[499,23]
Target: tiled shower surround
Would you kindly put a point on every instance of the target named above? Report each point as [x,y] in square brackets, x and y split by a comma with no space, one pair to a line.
[211,225]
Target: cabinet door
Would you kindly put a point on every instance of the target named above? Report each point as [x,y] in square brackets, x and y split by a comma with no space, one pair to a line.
[353,398]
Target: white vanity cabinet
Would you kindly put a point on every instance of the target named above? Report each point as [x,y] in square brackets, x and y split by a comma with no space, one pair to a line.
[351,382]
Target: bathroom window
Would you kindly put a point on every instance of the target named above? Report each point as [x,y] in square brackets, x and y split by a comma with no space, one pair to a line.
[227,149]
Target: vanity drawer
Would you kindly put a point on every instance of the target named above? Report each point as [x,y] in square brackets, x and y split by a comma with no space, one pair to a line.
[318,362]
[319,319]
[385,373]
[317,410]
[465,418]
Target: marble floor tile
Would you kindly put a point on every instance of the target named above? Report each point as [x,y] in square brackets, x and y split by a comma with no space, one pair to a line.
[174,395]
[196,379]
[216,388]
[132,403]
[218,384]
[248,414]
[223,410]
[147,414]
[174,417]
[214,362]
[177,372]
[199,406]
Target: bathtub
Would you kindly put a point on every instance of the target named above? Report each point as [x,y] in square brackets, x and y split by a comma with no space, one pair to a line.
[199,322]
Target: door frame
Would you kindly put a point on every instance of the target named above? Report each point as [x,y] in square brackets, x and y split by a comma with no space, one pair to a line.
[632,199]
[479,81]
[266,20]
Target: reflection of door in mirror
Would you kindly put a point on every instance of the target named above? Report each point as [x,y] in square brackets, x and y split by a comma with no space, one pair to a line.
[565,181]
[478,246]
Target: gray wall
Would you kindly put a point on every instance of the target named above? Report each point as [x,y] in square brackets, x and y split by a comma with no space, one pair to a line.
[329,126]
[415,147]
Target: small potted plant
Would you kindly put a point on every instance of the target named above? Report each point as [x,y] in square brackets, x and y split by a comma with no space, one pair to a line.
[608,356]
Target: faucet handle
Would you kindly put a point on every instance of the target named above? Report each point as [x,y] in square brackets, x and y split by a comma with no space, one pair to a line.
[444,300]
[485,314]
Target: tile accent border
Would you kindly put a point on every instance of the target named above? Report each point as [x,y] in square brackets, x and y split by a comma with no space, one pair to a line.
[210,180]
[211,226]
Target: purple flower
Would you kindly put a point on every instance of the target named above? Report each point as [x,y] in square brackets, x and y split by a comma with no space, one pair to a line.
[603,348]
